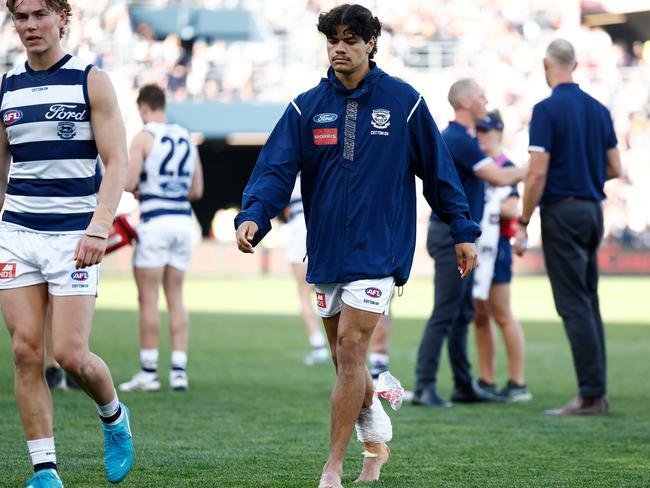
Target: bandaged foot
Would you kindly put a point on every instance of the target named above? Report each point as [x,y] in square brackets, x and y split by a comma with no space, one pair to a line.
[375,455]
[330,479]
[374,429]
[373,424]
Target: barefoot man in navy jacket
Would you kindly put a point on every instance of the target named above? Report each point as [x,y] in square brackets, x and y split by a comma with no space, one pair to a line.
[358,138]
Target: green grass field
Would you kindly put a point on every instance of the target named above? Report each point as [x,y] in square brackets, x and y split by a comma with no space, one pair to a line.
[256,417]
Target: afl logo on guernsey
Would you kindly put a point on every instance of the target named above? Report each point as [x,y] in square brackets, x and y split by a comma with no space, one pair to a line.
[12,116]
[373,292]
[325,118]
[79,275]
[61,111]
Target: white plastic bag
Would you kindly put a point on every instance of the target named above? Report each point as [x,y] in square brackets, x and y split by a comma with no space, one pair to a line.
[389,388]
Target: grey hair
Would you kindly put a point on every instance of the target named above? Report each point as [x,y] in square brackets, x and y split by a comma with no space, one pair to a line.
[461,90]
[561,52]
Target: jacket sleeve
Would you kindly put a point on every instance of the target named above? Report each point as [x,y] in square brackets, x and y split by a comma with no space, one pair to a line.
[430,160]
[274,176]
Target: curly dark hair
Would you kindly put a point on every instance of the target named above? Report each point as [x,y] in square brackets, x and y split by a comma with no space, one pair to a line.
[358,20]
[54,5]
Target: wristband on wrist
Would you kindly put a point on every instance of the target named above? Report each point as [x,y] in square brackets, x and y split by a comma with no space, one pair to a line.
[522,222]
[97,231]
[101,223]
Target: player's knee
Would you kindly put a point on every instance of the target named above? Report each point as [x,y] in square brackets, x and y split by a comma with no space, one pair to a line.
[349,349]
[148,300]
[27,354]
[503,316]
[70,360]
[348,342]
[503,320]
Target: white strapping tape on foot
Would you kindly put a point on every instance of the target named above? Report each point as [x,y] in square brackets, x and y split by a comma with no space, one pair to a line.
[373,424]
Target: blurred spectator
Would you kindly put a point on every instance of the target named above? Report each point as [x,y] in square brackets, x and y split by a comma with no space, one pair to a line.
[430,44]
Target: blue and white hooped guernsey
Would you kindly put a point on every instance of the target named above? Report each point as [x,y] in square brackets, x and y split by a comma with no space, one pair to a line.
[167,172]
[46,115]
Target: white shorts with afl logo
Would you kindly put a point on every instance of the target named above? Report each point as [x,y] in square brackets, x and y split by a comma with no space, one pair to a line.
[31,258]
[368,295]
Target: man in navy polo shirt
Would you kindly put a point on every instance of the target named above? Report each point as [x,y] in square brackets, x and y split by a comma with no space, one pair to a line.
[572,153]
[453,308]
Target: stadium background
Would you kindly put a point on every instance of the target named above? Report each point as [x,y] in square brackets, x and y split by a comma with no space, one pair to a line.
[231,66]
[254,417]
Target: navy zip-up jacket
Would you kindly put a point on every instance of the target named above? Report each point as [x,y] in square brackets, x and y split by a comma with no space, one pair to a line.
[358,152]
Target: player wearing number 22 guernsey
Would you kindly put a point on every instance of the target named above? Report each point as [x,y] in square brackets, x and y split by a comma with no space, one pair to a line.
[165,173]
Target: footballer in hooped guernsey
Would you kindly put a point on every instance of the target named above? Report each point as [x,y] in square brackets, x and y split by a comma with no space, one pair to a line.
[54,227]
[165,174]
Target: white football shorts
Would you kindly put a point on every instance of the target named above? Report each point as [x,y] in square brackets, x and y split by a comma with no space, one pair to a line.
[296,249]
[369,295]
[31,258]
[164,241]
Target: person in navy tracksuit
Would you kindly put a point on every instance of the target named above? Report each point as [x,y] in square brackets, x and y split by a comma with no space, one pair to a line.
[358,138]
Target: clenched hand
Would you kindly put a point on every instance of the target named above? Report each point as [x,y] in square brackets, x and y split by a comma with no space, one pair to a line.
[245,233]
[466,258]
[90,250]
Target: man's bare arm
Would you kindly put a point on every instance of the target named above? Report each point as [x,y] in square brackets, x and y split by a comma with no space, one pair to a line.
[110,137]
[614,166]
[140,148]
[109,133]
[196,188]
[534,183]
[498,176]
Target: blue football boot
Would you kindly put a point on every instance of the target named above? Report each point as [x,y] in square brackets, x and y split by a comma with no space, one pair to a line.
[45,478]
[118,448]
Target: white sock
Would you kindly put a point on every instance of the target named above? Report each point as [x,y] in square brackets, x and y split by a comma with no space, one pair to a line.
[378,358]
[110,409]
[42,451]
[179,360]
[149,359]
[317,340]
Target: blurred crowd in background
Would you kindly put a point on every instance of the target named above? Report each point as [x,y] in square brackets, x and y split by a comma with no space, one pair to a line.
[428,44]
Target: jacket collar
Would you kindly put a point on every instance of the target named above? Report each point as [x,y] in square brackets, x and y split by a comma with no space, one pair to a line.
[363,86]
